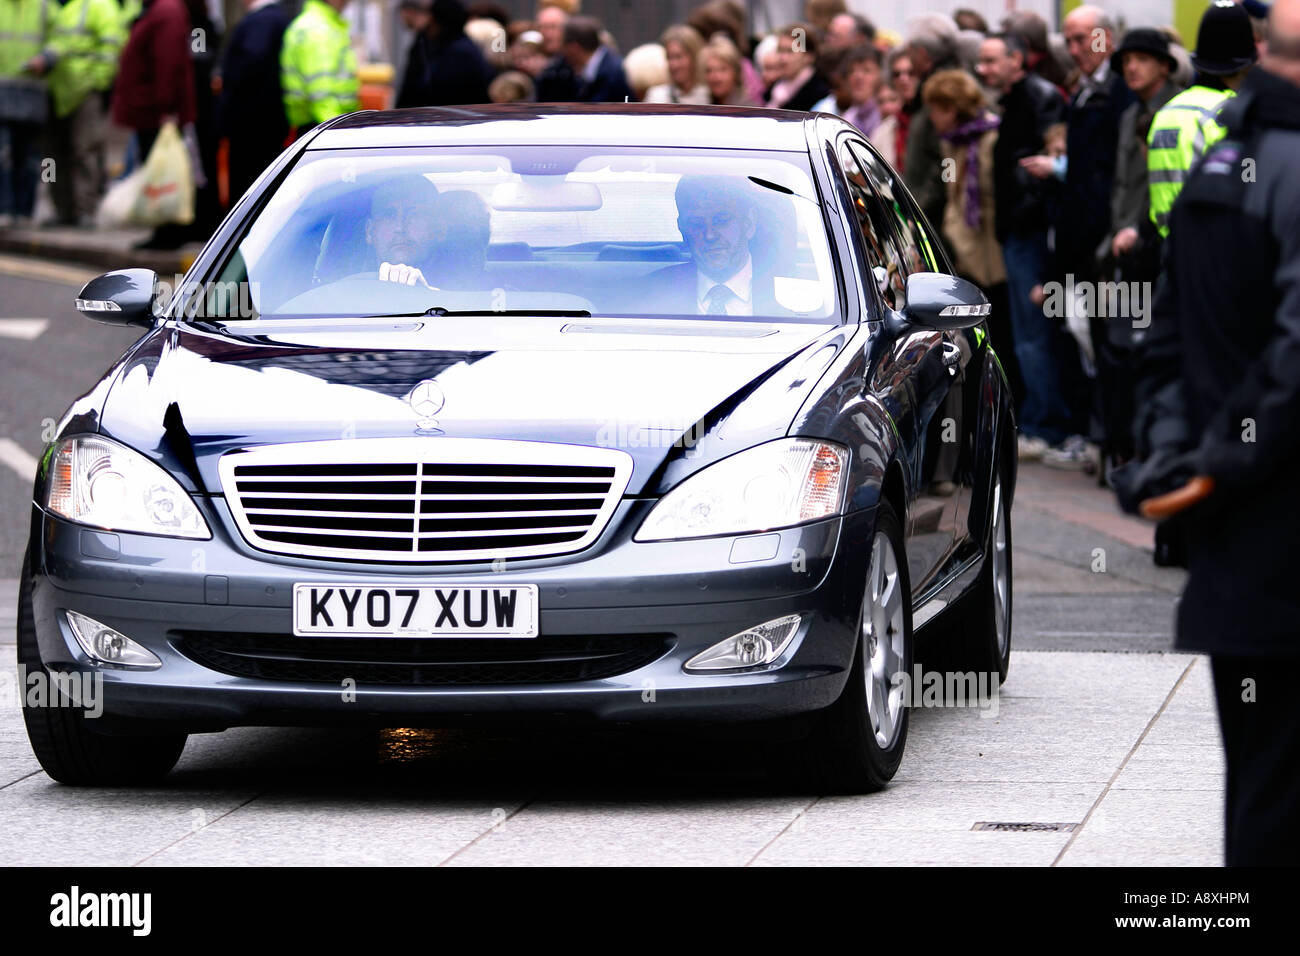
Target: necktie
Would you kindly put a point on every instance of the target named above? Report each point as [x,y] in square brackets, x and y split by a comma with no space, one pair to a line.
[718,298]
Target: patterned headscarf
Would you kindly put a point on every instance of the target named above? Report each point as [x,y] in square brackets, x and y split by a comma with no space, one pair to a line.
[968,134]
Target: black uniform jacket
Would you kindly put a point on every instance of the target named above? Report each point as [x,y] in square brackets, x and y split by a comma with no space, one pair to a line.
[1225,329]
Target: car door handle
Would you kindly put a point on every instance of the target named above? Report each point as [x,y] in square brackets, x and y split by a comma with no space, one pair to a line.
[951,356]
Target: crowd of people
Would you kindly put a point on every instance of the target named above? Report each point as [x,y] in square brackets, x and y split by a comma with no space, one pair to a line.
[1047,162]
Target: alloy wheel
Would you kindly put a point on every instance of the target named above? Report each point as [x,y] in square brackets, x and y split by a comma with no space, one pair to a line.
[1001,571]
[883,642]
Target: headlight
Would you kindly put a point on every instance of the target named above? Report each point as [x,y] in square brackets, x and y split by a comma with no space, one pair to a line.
[775,485]
[99,482]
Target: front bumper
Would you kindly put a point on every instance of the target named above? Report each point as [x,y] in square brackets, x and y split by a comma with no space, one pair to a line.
[685,595]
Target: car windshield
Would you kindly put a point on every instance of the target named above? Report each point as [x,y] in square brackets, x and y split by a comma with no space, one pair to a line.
[726,234]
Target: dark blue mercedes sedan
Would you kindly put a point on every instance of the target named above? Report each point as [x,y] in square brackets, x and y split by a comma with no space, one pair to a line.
[641,413]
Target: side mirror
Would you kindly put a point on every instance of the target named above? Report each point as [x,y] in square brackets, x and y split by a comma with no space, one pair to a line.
[938,301]
[124,297]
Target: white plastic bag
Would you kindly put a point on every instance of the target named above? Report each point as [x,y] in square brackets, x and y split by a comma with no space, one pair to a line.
[115,208]
[1076,322]
[166,193]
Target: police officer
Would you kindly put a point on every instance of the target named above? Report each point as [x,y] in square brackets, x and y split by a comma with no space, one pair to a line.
[1221,436]
[1179,134]
[318,70]
[1225,50]
[22,34]
[80,58]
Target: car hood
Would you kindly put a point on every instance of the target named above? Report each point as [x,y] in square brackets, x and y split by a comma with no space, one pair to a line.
[188,393]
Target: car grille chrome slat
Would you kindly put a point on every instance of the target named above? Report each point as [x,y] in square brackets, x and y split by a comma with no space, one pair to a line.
[423,499]
[368,496]
[298,512]
[422,662]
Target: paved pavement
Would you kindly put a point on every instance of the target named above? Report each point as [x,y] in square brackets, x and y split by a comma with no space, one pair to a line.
[1100,728]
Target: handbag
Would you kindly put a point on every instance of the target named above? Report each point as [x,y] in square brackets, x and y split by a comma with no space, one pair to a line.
[23,100]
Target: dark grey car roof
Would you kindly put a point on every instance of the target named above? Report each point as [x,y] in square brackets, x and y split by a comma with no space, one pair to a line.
[577,124]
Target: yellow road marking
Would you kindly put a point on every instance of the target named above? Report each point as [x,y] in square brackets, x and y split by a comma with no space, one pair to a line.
[68,274]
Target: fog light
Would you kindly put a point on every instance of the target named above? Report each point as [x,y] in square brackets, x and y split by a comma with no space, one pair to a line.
[761,644]
[107,646]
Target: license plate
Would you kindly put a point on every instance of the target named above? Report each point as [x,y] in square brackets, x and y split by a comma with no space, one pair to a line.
[417,610]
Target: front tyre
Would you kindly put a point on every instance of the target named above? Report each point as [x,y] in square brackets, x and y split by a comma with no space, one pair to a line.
[858,741]
[68,750]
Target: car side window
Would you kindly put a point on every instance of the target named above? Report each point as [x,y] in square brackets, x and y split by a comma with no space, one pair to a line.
[925,238]
[883,251]
[919,252]
[922,237]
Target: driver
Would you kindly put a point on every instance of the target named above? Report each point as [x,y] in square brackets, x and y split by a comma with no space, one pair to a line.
[405,228]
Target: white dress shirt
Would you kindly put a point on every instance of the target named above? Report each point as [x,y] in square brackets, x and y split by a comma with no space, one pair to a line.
[589,71]
[741,284]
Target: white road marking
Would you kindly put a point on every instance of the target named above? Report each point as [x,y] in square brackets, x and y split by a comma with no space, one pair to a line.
[8,609]
[1101,634]
[50,271]
[23,328]
[16,457]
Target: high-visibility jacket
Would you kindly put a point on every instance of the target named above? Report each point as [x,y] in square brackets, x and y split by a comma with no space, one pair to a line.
[85,42]
[1179,136]
[22,32]
[318,70]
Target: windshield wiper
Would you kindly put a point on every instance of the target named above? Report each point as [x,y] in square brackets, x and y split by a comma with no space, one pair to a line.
[549,313]
[440,312]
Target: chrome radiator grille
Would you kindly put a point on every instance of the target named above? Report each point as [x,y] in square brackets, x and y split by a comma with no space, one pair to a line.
[423,499]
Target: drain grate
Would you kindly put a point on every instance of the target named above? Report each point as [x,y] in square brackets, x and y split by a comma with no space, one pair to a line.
[1026,827]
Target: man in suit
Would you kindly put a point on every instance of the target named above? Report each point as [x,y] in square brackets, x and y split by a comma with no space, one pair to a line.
[597,70]
[717,218]
[251,111]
